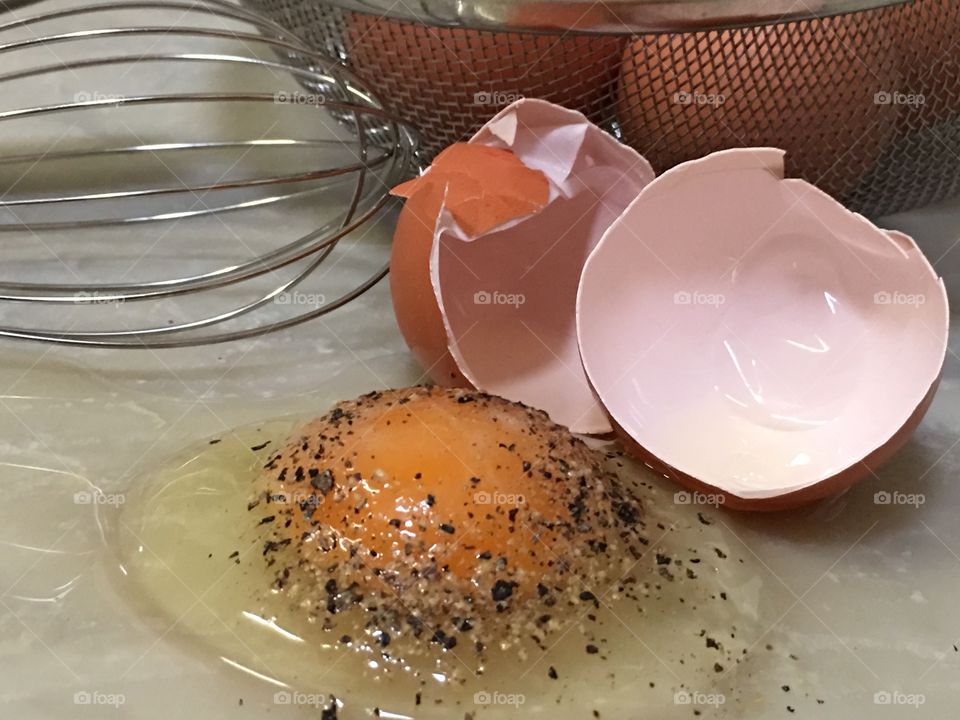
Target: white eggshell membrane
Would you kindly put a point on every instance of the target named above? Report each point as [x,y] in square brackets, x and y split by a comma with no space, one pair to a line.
[750,332]
[508,296]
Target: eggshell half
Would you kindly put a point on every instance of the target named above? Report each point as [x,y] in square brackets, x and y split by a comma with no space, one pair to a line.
[506,294]
[481,187]
[754,338]
[414,305]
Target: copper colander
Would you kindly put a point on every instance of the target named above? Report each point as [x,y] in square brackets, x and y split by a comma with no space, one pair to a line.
[865,101]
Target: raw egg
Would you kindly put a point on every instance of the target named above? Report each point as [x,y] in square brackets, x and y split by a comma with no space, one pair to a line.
[787,352]
[804,86]
[452,504]
[437,553]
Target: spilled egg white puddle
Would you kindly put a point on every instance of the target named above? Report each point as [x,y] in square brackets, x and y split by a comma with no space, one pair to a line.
[675,636]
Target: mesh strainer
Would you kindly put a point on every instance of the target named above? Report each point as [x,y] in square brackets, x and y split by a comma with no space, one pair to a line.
[865,96]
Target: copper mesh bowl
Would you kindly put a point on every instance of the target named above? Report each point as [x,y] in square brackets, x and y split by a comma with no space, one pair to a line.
[866,102]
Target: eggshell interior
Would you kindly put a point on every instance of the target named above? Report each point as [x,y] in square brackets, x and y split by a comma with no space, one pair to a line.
[753,335]
[507,296]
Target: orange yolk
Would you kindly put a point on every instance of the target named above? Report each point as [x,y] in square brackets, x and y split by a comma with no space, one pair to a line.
[441,477]
[446,518]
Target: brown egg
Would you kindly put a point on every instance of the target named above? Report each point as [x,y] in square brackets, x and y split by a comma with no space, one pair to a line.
[800,86]
[465,76]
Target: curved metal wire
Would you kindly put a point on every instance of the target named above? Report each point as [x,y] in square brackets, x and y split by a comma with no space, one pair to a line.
[377,142]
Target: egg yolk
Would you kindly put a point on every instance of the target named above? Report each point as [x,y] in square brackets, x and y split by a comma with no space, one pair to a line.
[457,503]
[446,477]
[443,482]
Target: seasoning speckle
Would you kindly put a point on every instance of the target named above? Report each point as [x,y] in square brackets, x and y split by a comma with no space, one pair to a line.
[502,590]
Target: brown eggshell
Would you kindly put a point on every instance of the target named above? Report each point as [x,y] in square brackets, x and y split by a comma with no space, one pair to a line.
[481,187]
[523,203]
[832,486]
[414,303]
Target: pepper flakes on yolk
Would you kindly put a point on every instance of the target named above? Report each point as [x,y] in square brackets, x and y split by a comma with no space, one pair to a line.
[457,502]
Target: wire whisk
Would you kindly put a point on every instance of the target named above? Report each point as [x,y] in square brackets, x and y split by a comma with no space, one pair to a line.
[174,174]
